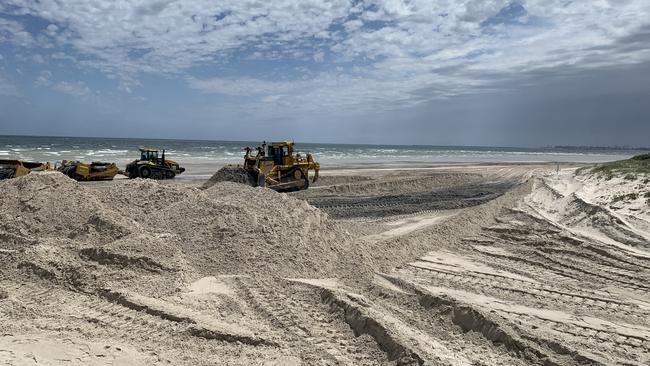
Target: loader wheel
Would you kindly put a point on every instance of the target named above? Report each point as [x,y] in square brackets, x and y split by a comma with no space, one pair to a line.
[169,174]
[145,172]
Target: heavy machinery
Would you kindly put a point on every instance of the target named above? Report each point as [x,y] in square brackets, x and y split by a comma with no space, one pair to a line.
[276,166]
[82,171]
[18,168]
[151,166]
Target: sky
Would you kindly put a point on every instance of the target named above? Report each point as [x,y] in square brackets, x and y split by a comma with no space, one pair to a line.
[439,72]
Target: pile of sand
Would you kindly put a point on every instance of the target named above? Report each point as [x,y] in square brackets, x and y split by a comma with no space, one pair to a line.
[230,173]
[60,229]
[589,207]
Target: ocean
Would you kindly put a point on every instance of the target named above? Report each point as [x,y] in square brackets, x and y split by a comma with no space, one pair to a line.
[207,156]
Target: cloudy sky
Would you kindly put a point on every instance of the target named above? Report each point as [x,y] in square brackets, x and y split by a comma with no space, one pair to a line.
[445,72]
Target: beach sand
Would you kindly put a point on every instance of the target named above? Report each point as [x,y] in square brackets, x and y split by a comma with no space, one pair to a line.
[508,264]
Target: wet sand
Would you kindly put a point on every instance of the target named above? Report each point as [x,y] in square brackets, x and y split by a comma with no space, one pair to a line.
[508,264]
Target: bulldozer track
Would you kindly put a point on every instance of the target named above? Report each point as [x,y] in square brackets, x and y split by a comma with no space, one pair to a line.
[593,337]
[497,327]
[418,317]
[527,261]
[578,340]
[407,204]
[394,217]
[598,257]
[627,282]
[526,266]
[611,269]
[309,326]
[94,315]
[128,323]
[107,317]
[540,294]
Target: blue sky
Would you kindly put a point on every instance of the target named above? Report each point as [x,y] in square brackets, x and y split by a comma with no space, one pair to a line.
[424,72]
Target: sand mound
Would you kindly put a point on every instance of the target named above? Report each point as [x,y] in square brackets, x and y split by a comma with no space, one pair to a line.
[44,204]
[230,173]
[583,207]
[125,230]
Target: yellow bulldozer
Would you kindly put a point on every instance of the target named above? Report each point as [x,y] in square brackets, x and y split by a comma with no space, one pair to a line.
[18,168]
[278,167]
[87,172]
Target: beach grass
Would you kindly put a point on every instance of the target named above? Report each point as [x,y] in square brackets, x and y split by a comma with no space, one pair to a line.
[629,169]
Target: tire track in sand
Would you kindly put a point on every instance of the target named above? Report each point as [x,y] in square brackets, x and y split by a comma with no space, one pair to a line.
[308,327]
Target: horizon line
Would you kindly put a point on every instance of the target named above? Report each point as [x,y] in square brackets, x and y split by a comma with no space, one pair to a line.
[640,148]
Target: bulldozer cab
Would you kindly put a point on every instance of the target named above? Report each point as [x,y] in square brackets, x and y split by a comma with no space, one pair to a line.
[149,155]
[281,153]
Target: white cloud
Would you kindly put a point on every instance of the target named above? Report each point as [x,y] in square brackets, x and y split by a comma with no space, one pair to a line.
[74,88]
[387,53]
[43,78]
[319,57]
[14,32]
[51,30]
[165,36]
[38,58]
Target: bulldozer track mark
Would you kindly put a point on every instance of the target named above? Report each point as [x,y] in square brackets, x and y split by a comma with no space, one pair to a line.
[540,293]
[539,259]
[418,317]
[362,323]
[392,217]
[188,324]
[31,295]
[127,323]
[409,203]
[515,263]
[630,260]
[509,260]
[118,298]
[105,257]
[227,337]
[607,261]
[112,314]
[594,336]
[532,349]
[320,335]
[607,279]
[591,253]
[88,309]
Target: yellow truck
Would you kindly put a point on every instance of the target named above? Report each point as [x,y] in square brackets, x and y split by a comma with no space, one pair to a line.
[17,168]
[85,172]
